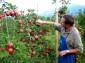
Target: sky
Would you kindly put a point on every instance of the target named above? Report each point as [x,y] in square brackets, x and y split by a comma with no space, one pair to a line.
[39,5]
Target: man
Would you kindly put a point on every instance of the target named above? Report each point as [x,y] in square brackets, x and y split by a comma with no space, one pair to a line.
[70,39]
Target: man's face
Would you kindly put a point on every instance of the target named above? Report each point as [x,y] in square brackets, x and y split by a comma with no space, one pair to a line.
[63,22]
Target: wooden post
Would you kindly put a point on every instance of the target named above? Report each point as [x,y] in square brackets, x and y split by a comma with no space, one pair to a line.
[56,34]
[37,8]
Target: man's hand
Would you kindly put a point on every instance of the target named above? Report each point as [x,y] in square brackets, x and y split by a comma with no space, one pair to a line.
[39,21]
[62,53]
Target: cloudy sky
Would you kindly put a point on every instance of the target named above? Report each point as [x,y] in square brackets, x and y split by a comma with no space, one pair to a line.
[40,5]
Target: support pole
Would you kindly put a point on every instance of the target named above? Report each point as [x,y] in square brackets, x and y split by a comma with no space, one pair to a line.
[56,34]
[37,8]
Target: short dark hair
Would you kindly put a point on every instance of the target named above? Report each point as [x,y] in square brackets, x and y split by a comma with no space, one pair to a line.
[68,19]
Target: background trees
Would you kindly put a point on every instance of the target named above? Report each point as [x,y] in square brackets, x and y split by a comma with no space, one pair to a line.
[22,40]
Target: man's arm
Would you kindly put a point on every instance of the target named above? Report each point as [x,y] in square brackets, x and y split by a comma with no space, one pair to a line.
[62,53]
[44,22]
[73,51]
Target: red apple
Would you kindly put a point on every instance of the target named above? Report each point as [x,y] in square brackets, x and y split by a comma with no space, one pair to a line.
[38,60]
[47,47]
[29,30]
[20,21]
[47,51]
[33,52]
[36,23]
[32,33]
[36,37]
[7,13]
[12,13]
[44,53]
[16,14]
[27,45]
[35,17]
[48,30]
[21,30]
[23,40]
[41,31]
[7,48]
[15,11]
[10,50]
[29,20]
[0,16]
[10,44]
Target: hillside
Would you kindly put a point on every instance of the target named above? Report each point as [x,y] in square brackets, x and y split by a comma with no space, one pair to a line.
[74,8]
